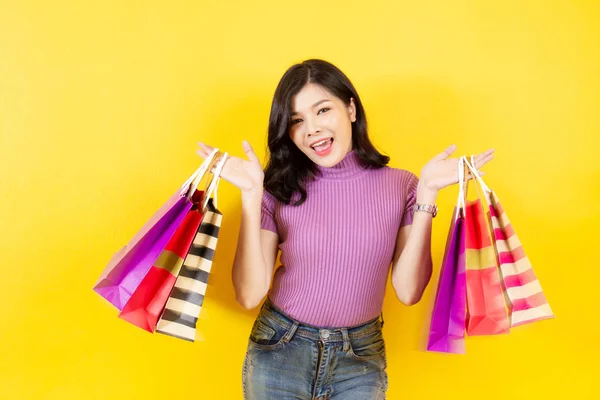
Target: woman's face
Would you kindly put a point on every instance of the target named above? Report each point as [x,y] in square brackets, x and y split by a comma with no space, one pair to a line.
[321,125]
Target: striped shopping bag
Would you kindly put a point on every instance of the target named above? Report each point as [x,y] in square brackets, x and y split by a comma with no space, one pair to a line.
[524,296]
[184,305]
[526,299]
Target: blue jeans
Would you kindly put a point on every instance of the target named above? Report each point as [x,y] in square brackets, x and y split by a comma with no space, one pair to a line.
[289,360]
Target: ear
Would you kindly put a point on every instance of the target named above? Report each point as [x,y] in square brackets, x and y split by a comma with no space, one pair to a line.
[352,110]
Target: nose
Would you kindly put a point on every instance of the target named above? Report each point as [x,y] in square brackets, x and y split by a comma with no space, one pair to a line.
[312,128]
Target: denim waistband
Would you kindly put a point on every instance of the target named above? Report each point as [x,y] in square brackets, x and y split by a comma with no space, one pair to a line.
[270,311]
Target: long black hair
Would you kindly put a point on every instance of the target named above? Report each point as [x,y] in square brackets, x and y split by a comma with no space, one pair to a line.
[288,169]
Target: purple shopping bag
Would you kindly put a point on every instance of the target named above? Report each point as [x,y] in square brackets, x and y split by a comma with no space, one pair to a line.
[447,329]
[130,265]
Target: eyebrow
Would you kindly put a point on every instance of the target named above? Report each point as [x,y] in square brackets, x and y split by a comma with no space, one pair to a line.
[313,106]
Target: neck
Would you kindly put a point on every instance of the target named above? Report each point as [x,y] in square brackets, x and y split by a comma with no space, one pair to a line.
[348,167]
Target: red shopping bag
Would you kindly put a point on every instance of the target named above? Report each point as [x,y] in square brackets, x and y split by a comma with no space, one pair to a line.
[486,308]
[147,302]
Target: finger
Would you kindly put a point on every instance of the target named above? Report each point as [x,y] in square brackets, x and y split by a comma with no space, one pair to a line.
[482,155]
[446,153]
[470,176]
[207,149]
[250,152]
[482,161]
[201,153]
[476,159]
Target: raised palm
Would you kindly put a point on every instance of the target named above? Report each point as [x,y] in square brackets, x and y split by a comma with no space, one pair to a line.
[247,175]
[442,171]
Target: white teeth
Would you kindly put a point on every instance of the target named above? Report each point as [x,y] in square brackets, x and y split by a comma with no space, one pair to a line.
[320,143]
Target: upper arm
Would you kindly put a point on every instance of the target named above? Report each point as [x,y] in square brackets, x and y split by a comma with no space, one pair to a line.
[269,242]
[408,188]
[401,240]
[269,235]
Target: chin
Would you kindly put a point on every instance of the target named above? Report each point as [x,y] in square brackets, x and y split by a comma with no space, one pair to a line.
[328,161]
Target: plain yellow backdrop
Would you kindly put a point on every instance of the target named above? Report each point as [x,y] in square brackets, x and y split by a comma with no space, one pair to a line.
[102,104]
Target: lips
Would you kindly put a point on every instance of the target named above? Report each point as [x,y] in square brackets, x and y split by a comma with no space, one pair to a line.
[322,147]
[320,142]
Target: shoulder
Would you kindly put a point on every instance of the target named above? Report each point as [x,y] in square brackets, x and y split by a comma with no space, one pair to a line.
[397,177]
[269,201]
[268,196]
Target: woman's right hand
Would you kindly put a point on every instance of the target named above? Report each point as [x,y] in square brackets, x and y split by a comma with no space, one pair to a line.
[247,175]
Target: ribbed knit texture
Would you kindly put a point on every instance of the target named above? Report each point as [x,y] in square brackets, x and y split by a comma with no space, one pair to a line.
[337,247]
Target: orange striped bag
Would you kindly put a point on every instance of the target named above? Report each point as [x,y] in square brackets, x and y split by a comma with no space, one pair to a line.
[486,307]
[525,298]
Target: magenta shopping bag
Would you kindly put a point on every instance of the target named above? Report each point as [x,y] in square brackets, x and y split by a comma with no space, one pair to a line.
[447,329]
[130,265]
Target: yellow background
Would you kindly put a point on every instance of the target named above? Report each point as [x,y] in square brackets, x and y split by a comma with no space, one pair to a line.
[101,106]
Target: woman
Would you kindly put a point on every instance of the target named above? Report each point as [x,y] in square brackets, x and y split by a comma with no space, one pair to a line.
[340,218]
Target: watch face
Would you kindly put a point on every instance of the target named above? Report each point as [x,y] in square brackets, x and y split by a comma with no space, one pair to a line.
[431,209]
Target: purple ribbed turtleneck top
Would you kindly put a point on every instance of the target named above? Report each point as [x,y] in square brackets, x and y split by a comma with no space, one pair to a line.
[337,247]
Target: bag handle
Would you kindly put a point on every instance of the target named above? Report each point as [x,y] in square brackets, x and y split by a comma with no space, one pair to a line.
[461,187]
[486,190]
[476,174]
[212,187]
[196,178]
[208,160]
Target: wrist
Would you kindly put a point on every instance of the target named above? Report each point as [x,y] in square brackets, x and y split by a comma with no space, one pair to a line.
[426,195]
[252,198]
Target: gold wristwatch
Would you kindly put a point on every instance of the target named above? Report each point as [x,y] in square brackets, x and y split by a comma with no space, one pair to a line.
[428,208]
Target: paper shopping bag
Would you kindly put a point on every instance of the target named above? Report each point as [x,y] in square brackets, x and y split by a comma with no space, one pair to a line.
[129,265]
[486,308]
[181,313]
[147,302]
[525,298]
[447,329]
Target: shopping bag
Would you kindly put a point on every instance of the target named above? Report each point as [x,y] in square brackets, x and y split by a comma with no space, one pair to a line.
[148,300]
[447,329]
[182,310]
[524,296]
[486,308]
[181,313]
[130,264]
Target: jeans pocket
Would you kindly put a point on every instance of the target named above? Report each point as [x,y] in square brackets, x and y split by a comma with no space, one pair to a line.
[266,334]
[368,348]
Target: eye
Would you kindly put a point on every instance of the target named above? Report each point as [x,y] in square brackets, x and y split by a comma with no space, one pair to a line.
[295,121]
[323,110]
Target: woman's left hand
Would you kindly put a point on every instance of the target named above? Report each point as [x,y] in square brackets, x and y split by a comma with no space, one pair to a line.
[442,171]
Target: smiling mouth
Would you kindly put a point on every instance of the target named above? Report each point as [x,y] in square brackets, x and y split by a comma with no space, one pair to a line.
[322,146]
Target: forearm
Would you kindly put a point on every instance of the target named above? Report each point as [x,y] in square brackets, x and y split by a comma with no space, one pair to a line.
[412,270]
[250,275]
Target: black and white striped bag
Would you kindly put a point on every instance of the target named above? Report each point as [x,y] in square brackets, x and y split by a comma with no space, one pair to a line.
[181,313]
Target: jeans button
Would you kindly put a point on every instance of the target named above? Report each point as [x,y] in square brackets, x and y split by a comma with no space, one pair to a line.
[325,333]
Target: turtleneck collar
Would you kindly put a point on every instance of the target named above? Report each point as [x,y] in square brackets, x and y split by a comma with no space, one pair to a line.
[349,167]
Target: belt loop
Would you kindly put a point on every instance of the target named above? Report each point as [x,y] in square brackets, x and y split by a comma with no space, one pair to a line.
[267,303]
[346,339]
[290,333]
